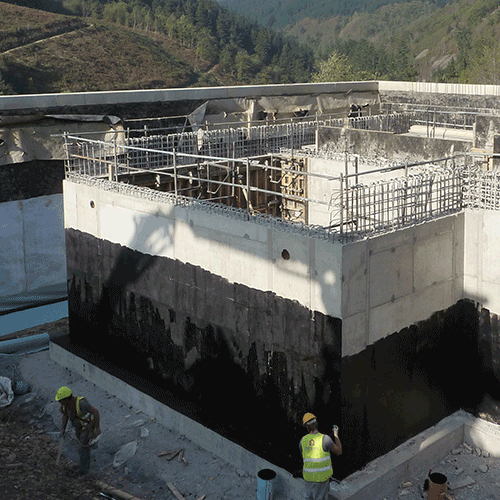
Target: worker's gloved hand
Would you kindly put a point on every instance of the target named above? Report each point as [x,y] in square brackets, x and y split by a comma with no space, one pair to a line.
[335,431]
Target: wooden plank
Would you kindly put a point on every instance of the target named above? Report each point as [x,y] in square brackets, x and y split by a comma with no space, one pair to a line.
[174,490]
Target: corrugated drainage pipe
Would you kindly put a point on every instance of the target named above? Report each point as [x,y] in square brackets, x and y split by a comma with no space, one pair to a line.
[24,344]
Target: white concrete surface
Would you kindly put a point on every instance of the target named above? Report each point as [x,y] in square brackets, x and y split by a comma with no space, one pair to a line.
[439,88]
[397,279]
[381,478]
[482,258]
[241,251]
[32,244]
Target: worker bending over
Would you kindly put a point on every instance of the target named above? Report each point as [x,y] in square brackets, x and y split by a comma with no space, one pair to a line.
[85,420]
[315,448]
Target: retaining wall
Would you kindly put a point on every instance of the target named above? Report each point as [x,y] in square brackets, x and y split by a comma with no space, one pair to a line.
[32,245]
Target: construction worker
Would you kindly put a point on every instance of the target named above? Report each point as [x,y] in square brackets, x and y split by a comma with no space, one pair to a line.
[85,420]
[315,448]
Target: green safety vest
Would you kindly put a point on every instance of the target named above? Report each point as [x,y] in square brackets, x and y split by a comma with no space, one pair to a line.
[317,462]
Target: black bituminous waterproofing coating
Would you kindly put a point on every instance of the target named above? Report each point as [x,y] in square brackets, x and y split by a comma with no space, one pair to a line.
[222,363]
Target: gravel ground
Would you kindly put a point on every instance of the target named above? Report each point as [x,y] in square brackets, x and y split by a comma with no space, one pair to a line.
[471,473]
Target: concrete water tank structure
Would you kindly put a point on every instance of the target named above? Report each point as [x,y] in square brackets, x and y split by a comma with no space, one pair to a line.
[287,267]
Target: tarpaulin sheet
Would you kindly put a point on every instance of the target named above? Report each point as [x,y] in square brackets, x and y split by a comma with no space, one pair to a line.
[39,137]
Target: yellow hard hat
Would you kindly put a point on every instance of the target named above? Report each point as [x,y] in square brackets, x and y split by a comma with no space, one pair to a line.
[63,392]
[307,417]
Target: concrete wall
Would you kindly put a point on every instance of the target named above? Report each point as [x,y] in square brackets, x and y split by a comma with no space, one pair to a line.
[241,252]
[398,279]
[482,258]
[201,301]
[486,128]
[32,245]
[439,88]
[353,332]
[370,143]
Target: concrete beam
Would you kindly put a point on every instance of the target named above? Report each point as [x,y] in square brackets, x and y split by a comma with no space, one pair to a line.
[45,101]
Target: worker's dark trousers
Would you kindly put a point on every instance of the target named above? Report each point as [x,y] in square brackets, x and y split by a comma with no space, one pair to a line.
[84,450]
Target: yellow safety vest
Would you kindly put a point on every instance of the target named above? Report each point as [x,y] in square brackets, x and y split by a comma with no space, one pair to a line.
[85,419]
[317,462]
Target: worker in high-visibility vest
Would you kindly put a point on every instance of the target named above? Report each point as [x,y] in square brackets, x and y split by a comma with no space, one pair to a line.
[315,448]
[85,420]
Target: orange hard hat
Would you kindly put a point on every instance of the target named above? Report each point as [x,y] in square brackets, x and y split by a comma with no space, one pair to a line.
[307,418]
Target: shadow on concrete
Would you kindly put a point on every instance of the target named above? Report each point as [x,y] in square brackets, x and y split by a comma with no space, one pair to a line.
[240,361]
[144,318]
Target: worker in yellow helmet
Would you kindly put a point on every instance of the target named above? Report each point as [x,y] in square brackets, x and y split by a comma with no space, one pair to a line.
[315,448]
[85,420]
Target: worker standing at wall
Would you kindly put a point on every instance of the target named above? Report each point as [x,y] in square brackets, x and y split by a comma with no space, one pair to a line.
[85,420]
[315,448]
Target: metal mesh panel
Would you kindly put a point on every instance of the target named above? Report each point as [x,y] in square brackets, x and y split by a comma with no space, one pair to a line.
[397,203]
[481,189]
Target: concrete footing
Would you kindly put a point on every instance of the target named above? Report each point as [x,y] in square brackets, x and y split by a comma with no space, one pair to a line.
[286,486]
[381,477]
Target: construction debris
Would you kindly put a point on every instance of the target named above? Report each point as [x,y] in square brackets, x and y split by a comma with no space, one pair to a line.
[181,458]
[171,454]
[175,491]
[467,481]
[126,452]
[123,495]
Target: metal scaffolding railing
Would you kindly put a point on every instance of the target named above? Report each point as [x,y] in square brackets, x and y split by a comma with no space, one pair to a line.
[276,185]
[158,151]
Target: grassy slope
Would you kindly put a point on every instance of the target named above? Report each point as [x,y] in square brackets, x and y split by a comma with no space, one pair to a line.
[43,52]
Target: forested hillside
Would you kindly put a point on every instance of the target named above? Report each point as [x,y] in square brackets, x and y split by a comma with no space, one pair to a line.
[78,45]
[282,13]
[441,40]
[221,43]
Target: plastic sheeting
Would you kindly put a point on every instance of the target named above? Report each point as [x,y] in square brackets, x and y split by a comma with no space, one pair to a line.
[285,106]
[35,137]
[6,392]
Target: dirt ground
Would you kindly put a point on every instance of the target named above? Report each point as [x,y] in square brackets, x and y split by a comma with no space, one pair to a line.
[28,460]
[27,451]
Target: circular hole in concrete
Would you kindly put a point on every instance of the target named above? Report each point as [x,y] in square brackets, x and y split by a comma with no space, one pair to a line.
[92,204]
[285,254]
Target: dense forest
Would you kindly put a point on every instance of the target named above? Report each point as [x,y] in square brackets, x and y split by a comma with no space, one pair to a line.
[279,14]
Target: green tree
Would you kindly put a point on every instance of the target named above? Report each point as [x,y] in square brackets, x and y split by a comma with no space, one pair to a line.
[116,12]
[336,68]
[206,47]
[484,69]
[246,66]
